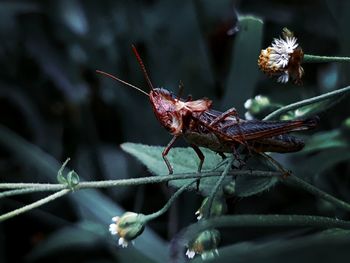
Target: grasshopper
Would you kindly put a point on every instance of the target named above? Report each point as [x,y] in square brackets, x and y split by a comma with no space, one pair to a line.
[222,132]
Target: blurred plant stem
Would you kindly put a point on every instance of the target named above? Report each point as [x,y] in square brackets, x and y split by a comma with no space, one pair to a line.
[62,189]
[296,181]
[320,59]
[216,188]
[170,202]
[265,221]
[34,205]
[302,103]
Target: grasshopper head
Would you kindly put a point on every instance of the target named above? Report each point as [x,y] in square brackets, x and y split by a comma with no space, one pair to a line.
[171,111]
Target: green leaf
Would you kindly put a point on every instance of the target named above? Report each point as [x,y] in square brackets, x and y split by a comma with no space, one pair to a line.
[315,108]
[319,162]
[240,85]
[183,160]
[325,140]
[83,235]
[250,185]
[60,177]
[310,106]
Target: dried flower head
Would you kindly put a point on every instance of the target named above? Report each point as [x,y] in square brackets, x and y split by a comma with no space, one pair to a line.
[283,59]
[129,226]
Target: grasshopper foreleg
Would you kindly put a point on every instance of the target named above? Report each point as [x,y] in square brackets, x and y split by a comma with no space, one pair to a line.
[166,151]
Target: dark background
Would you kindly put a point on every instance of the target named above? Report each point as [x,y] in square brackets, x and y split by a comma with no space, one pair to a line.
[51,97]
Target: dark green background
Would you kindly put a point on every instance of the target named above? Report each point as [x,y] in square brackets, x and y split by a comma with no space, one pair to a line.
[51,96]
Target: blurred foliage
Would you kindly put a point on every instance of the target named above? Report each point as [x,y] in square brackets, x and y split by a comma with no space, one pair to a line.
[51,97]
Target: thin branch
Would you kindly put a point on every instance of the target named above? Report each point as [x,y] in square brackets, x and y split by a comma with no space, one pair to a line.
[306,102]
[216,188]
[295,181]
[23,191]
[169,203]
[265,221]
[137,181]
[321,59]
[34,205]
[23,188]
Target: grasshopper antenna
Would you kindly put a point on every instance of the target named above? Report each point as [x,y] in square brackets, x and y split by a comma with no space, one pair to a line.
[143,68]
[122,81]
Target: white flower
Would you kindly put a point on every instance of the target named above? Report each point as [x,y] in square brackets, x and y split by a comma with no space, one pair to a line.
[123,243]
[248,116]
[199,215]
[282,59]
[285,46]
[190,253]
[248,103]
[284,77]
[113,228]
[128,227]
[209,254]
[278,60]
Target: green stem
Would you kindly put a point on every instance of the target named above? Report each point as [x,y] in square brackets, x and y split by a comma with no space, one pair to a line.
[136,181]
[169,203]
[295,181]
[34,205]
[321,59]
[216,188]
[265,221]
[23,191]
[303,103]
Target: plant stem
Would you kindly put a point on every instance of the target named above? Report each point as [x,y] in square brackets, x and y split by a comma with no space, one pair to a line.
[216,188]
[293,180]
[34,205]
[303,103]
[321,59]
[265,221]
[23,191]
[136,181]
[169,203]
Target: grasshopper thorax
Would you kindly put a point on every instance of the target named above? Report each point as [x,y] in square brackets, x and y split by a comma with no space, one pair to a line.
[172,111]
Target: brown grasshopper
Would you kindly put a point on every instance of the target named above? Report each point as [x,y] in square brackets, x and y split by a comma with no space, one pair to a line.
[221,132]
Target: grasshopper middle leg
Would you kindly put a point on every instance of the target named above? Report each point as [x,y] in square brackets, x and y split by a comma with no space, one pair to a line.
[201,161]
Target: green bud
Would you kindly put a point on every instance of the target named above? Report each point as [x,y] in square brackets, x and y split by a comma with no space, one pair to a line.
[128,227]
[218,208]
[230,188]
[346,123]
[72,179]
[205,244]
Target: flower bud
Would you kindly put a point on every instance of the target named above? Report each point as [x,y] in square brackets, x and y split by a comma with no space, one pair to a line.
[205,244]
[230,188]
[218,208]
[129,226]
